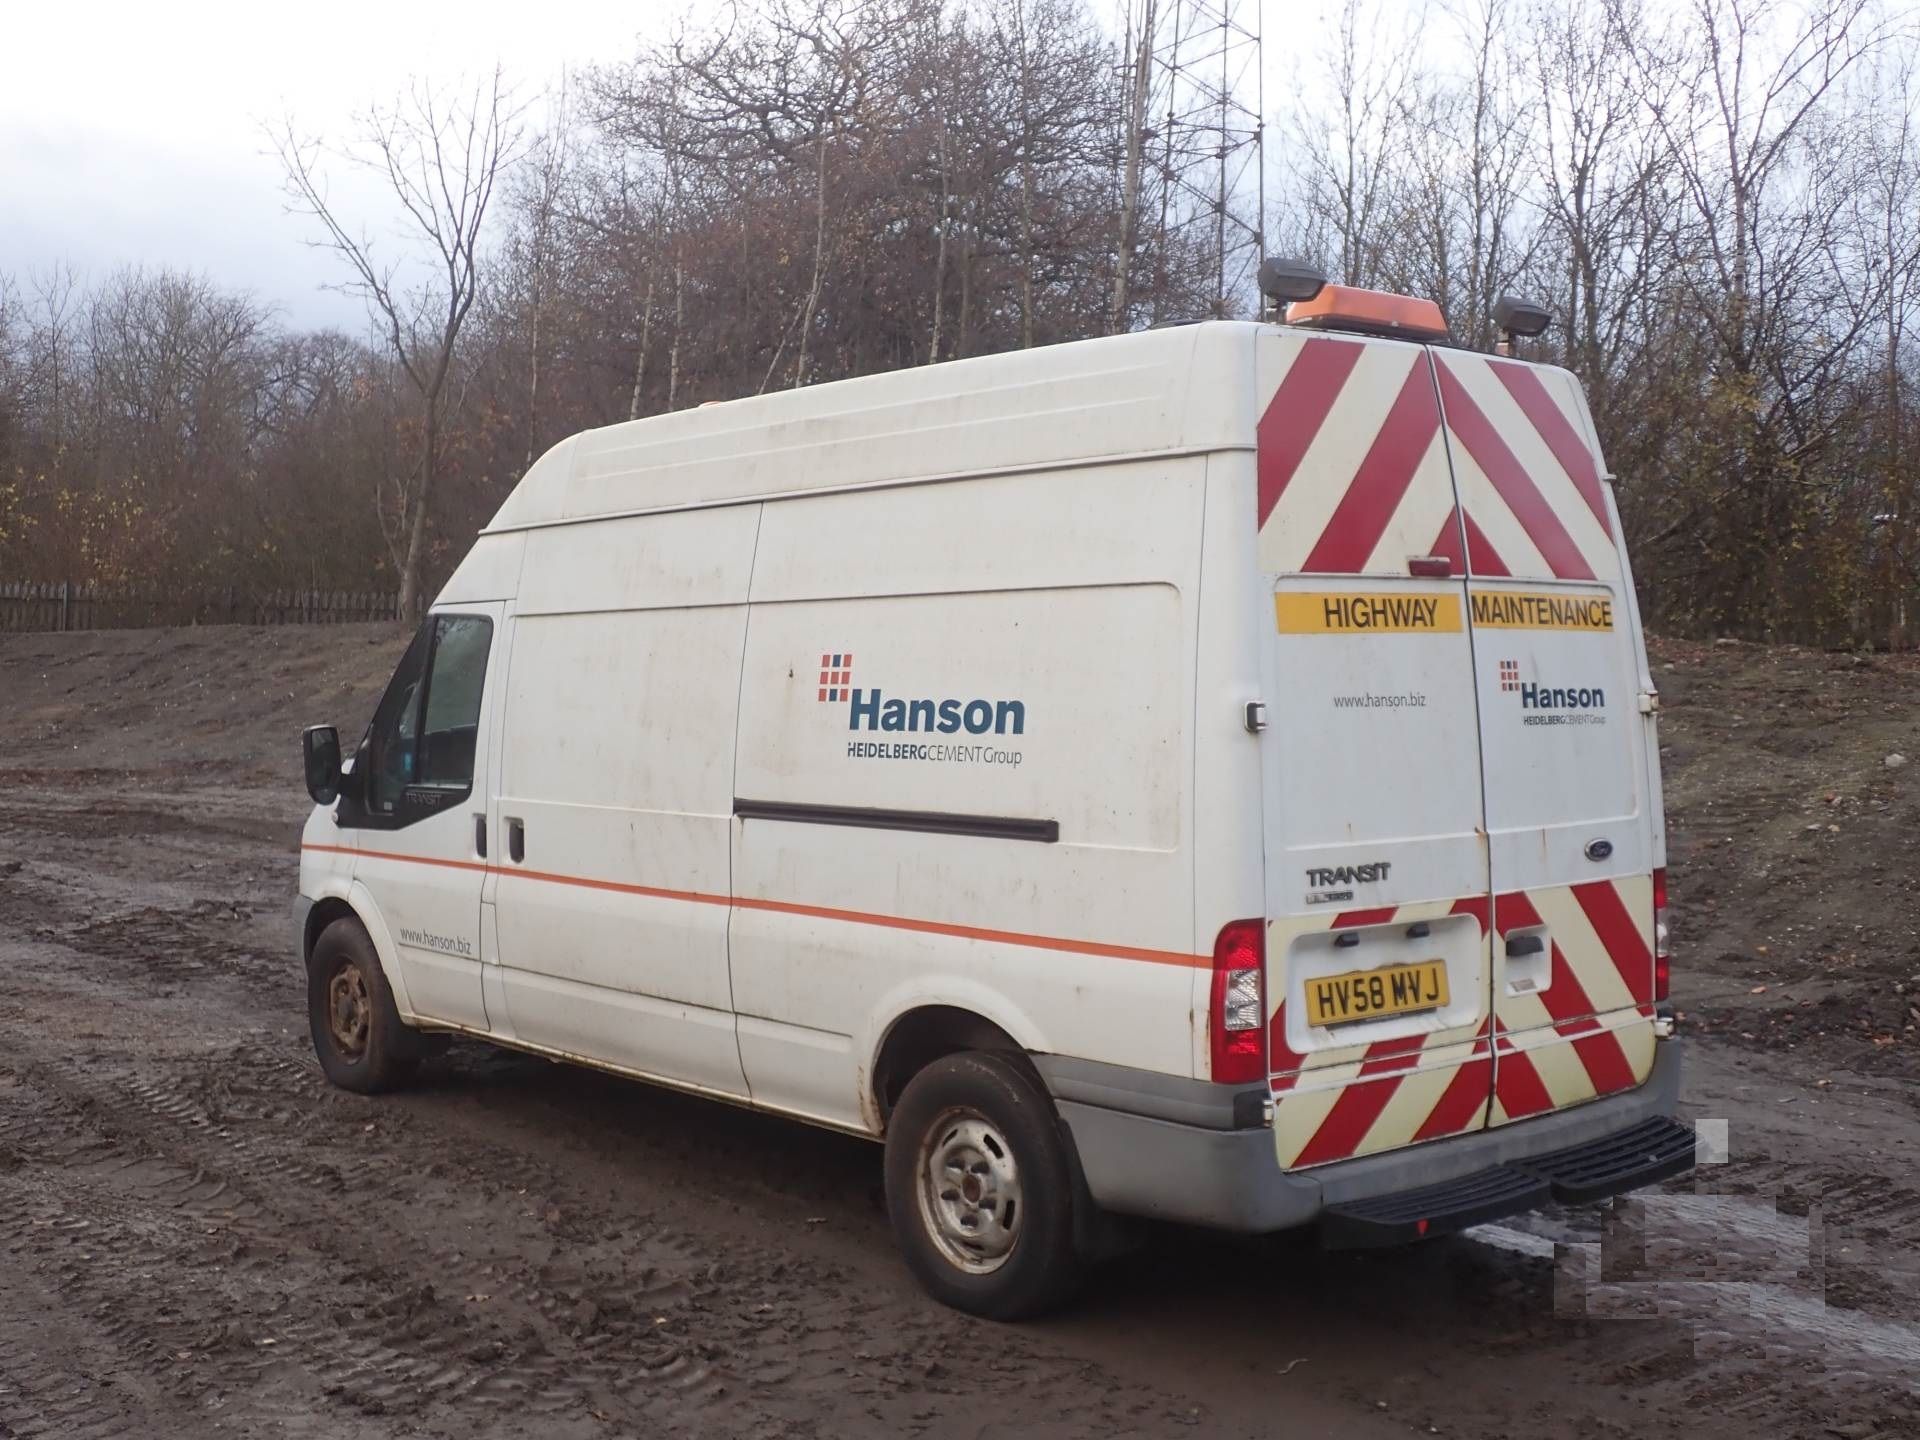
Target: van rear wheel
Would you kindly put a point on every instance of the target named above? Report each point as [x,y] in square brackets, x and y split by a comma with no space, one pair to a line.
[980,1187]
[362,1043]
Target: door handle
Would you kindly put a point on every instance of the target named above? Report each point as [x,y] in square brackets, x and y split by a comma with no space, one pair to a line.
[480,836]
[1524,945]
[516,841]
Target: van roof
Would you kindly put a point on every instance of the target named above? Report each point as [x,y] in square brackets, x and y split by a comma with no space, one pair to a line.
[1154,392]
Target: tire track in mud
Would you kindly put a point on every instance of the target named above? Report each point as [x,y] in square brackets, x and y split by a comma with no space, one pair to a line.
[684,1324]
[551,1300]
[639,1339]
[58,1382]
[410,1349]
[160,946]
[103,1224]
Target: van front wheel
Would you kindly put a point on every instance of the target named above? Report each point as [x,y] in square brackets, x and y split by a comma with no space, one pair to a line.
[362,1043]
[980,1187]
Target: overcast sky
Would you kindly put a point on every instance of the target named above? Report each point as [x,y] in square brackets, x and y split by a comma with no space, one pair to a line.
[130,133]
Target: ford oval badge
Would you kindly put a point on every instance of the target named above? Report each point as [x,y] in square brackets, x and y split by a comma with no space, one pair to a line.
[1598,850]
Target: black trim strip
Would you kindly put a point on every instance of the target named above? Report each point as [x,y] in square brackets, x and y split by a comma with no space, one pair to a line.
[927,822]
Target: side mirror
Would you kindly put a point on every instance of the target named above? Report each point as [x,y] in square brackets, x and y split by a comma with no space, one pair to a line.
[320,749]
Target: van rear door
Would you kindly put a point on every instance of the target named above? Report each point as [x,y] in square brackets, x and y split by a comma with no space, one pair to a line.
[1378,978]
[1563,743]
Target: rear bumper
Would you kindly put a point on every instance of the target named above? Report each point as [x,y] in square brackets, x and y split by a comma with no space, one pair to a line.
[1137,1163]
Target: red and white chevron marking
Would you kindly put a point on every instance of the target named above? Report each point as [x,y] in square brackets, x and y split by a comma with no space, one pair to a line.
[1587,1033]
[1347,1100]
[1353,465]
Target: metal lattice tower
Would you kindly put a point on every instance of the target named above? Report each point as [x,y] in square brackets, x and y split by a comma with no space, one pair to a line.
[1203,186]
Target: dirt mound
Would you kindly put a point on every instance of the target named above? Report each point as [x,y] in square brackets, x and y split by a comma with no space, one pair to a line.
[1793,822]
[227,698]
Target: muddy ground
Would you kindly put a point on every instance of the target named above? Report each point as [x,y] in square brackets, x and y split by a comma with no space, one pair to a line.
[198,1236]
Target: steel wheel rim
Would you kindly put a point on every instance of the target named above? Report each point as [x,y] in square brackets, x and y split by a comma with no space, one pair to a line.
[971,1204]
[349,1011]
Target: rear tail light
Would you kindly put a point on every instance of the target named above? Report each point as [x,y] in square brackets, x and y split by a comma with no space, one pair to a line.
[1662,959]
[1237,1018]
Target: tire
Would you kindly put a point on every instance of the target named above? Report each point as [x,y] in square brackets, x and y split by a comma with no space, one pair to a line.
[998,1240]
[362,1043]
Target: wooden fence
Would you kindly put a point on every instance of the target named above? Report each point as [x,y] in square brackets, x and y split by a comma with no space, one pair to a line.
[59,605]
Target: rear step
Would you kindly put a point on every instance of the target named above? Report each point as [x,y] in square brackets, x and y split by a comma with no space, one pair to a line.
[1651,1151]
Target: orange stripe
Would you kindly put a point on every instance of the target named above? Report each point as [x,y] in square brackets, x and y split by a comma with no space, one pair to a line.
[412,859]
[819,912]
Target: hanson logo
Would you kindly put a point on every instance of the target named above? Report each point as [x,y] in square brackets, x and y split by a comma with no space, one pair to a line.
[872,710]
[1554,704]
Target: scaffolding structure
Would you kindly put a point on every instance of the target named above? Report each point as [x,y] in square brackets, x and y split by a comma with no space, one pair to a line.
[1194,184]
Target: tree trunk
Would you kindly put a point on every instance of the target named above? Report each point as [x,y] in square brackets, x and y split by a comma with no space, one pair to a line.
[1026,180]
[819,259]
[533,382]
[1136,121]
[679,317]
[417,517]
[940,253]
[640,360]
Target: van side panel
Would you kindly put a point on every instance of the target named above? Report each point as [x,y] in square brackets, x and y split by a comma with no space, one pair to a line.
[490,571]
[968,658]
[1229,874]
[618,768]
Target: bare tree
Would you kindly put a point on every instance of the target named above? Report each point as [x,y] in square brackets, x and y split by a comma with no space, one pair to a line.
[442,155]
[538,244]
[1721,197]
[798,84]
[1606,188]
[1136,83]
[1348,153]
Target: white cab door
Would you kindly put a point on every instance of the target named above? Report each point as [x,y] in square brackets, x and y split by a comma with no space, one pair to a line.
[418,805]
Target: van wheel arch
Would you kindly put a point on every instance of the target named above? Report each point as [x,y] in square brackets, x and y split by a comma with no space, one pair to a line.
[324,912]
[927,1033]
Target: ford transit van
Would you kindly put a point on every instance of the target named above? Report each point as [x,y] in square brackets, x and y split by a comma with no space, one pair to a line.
[1205,774]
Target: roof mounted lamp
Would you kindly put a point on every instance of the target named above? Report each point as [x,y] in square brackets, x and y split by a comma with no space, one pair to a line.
[1513,317]
[1286,282]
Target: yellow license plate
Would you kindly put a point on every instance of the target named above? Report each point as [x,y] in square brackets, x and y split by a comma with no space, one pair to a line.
[1375,994]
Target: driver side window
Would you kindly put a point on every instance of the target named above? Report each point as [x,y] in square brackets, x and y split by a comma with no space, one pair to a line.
[424,732]
[392,735]
[455,677]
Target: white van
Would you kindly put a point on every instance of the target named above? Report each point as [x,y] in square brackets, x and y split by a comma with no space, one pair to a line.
[1206,774]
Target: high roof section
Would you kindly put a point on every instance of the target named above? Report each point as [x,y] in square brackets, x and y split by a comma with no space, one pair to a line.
[1156,392]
